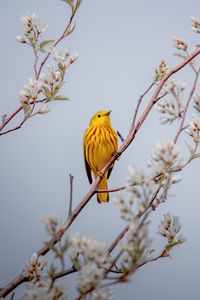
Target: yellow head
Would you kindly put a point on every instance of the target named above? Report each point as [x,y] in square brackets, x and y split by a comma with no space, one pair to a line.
[101,118]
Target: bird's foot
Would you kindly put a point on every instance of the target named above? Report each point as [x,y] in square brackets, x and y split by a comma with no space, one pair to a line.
[100,174]
[116,155]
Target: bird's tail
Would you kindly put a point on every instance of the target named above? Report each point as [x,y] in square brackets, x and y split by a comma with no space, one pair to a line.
[103,197]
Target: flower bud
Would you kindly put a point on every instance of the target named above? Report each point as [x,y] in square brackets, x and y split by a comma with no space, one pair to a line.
[44,110]
[21,39]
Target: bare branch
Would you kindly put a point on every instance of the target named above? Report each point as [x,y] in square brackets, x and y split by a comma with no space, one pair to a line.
[71,178]
[186,107]
[13,115]
[139,103]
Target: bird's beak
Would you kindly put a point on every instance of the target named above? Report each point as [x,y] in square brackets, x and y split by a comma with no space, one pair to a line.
[108,113]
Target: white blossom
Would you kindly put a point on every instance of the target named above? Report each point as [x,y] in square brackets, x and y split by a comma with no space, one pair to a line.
[89,276]
[136,176]
[124,209]
[136,246]
[31,90]
[164,160]
[35,267]
[169,109]
[51,224]
[21,39]
[31,23]
[52,78]
[180,44]
[44,293]
[194,128]
[59,57]
[74,57]
[195,24]
[161,71]
[91,250]
[44,109]
[197,102]
[170,228]
[103,294]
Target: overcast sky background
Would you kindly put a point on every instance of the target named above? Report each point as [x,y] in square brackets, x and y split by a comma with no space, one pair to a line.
[120,44]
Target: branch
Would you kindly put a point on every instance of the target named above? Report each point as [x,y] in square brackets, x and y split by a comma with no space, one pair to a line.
[71,178]
[13,115]
[186,106]
[37,74]
[131,135]
[139,103]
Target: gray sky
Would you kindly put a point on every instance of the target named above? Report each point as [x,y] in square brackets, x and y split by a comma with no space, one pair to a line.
[120,44]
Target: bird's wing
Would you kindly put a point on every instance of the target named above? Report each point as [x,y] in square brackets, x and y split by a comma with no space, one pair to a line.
[109,171]
[87,167]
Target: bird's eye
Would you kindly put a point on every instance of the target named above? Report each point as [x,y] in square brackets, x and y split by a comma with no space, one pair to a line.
[99,116]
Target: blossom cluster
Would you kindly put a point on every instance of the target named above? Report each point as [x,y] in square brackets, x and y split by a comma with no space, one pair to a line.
[141,188]
[32,29]
[161,71]
[170,228]
[63,59]
[56,292]
[136,246]
[103,294]
[197,102]
[88,256]
[51,225]
[180,44]
[165,160]
[30,91]
[194,129]
[170,108]
[35,268]
[195,24]
[48,83]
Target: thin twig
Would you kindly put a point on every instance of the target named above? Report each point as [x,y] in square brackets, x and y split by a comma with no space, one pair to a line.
[56,43]
[162,255]
[139,103]
[35,63]
[111,190]
[186,107]
[64,273]
[13,115]
[113,263]
[71,178]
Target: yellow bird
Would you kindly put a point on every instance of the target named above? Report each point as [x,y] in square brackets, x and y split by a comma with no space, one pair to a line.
[99,144]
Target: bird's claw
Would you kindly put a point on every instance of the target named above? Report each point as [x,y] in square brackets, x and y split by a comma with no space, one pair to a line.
[100,174]
[116,155]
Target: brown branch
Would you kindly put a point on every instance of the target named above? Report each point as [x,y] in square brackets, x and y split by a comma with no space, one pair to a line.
[35,63]
[13,115]
[186,107]
[139,103]
[64,273]
[162,255]
[56,43]
[132,133]
[71,178]
[111,190]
